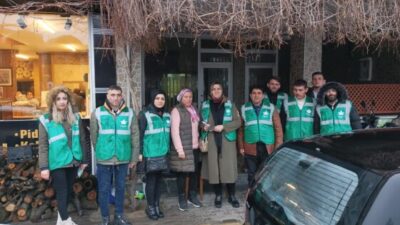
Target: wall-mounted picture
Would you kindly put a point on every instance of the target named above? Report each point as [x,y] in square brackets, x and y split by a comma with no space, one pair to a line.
[5,77]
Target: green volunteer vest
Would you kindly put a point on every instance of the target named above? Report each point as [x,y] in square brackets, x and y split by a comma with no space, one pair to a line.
[258,128]
[299,123]
[282,96]
[114,137]
[60,154]
[335,121]
[157,135]
[228,117]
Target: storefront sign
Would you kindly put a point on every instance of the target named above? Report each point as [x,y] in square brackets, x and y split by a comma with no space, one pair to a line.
[19,133]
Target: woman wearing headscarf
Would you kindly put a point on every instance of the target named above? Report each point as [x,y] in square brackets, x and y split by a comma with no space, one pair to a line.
[62,148]
[185,155]
[154,125]
[220,120]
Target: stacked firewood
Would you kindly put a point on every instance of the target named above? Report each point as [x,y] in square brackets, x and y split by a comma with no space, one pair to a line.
[24,195]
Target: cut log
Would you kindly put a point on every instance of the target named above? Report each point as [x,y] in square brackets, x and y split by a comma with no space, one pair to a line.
[28,198]
[3,215]
[11,207]
[48,214]
[91,195]
[3,199]
[23,210]
[86,204]
[36,213]
[11,166]
[49,192]
[77,187]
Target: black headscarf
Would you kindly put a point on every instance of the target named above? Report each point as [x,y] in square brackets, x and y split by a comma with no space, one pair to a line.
[152,107]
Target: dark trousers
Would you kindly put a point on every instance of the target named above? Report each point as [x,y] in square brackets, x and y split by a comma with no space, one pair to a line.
[153,184]
[194,176]
[62,180]
[105,175]
[253,162]
[231,188]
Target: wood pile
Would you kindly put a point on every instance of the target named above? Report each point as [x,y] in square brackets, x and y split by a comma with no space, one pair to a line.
[24,195]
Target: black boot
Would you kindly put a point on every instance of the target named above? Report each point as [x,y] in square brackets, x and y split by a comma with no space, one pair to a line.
[151,212]
[182,202]
[218,201]
[120,220]
[194,200]
[234,202]
[160,214]
[105,221]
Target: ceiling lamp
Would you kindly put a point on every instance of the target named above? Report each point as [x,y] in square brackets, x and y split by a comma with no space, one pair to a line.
[68,24]
[22,56]
[21,22]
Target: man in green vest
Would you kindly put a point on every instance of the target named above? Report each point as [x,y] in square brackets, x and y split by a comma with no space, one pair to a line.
[274,94]
[261,132]
[299,110]
[334,112]
[115,138]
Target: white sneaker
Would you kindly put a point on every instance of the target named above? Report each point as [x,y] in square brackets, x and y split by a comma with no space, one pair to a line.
[68,222]
[59,221]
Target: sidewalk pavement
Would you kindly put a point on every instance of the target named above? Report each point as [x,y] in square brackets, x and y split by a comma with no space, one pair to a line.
[206,215]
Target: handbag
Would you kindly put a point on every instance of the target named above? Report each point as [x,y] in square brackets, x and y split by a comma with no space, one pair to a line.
[203,145]
[156,164]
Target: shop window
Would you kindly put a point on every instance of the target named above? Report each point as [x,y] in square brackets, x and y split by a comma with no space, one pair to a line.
[38,56]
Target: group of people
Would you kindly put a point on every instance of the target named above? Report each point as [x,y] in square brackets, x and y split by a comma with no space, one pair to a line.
[121,140]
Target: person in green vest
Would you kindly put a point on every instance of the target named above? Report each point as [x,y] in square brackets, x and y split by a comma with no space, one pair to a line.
[220,121]
[62,148]
[261,132]
[115,138]
[334,112]
[299,110]
[277,97]
[154,125]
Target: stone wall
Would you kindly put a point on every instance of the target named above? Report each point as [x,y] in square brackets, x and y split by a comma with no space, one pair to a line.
[129,75]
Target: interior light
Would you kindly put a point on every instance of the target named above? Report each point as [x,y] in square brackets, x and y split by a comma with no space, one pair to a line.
[22,56]
[68,24]
[21,22]
[71,47]
[46,26]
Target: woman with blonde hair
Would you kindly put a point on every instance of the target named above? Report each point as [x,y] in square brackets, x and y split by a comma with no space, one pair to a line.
[61,148]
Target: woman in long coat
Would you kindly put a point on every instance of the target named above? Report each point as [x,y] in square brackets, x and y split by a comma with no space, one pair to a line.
[220,120]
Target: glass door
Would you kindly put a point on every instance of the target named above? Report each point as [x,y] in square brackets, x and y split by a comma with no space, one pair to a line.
[211,73]
[257,75]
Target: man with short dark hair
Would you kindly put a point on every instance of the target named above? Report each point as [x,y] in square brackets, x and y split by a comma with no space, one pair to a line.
[261,132]
[334,112]
[299,110]
[115,138]
[318,80]
[274,94]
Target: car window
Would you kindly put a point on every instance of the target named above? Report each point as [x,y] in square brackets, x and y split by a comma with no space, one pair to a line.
[385,209]
[302,189]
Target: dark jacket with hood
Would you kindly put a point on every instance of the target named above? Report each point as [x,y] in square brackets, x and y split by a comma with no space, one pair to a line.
[342,96]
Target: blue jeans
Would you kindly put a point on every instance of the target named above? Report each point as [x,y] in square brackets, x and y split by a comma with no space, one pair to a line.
[104,178]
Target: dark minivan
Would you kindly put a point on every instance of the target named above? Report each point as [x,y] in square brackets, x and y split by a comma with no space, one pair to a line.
[351,178]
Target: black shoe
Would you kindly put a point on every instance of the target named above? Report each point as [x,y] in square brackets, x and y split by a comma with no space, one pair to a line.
[218,201]
[120,220]
[105,221]
[194,200]
[182,202]
[234,202]
[160,214]
[151,212]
